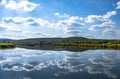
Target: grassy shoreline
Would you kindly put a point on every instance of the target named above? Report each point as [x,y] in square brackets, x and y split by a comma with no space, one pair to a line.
[6,45]
[92,46]
[101,46]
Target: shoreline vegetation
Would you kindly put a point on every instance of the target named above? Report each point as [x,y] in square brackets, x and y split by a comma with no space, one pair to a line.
[92,46]
[89,46]
[71,42]
[6,45]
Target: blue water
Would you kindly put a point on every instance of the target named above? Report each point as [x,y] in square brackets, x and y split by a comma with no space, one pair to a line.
[20,63]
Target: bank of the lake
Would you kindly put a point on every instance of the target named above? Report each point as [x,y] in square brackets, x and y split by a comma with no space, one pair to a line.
[6,45]
[90,46]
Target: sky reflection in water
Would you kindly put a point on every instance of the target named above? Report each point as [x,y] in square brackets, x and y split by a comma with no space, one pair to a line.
[42,64]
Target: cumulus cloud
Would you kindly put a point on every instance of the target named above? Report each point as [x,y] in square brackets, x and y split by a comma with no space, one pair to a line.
[71,25]
[118,5]
[74,29]
[24,5]
[105,25]
[22,34]
[17,27]
[101,23]
[21,21]
[3,2]
[94,18]
[61,16]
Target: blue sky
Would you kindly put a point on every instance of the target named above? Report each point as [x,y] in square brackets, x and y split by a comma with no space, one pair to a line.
[21,19]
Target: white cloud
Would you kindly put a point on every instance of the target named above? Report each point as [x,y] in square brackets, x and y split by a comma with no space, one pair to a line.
[24,5]
[68,16]
[18,27]
[101,23]
[94,18]
[71,25]
[36,26]
[3,2]
[118,5]
[61,16]
[68,21]
[66,25]
[109,14]
[28,21]
[105,25]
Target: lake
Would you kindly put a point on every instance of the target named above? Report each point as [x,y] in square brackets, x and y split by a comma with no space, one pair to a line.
[22,63]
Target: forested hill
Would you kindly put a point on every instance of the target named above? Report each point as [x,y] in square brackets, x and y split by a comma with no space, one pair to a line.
[69,40]
[55,40]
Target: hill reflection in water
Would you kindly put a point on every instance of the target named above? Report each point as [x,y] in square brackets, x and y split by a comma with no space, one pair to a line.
[20,63]
[55,48]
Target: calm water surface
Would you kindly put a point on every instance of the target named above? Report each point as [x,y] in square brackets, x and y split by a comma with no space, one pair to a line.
[20,63]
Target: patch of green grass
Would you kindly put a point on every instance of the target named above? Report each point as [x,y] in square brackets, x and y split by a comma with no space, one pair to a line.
[6,45]
[103,46]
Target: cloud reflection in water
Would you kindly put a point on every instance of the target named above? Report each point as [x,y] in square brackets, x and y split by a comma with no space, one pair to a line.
[92,61]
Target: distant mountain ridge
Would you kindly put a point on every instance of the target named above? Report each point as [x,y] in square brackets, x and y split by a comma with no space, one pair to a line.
[44,39]
[67,40]
[5,40]
[52,39]
[41,39]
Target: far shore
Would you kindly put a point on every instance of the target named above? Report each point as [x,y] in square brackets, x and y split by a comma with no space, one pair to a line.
[90,46]
[6,45]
